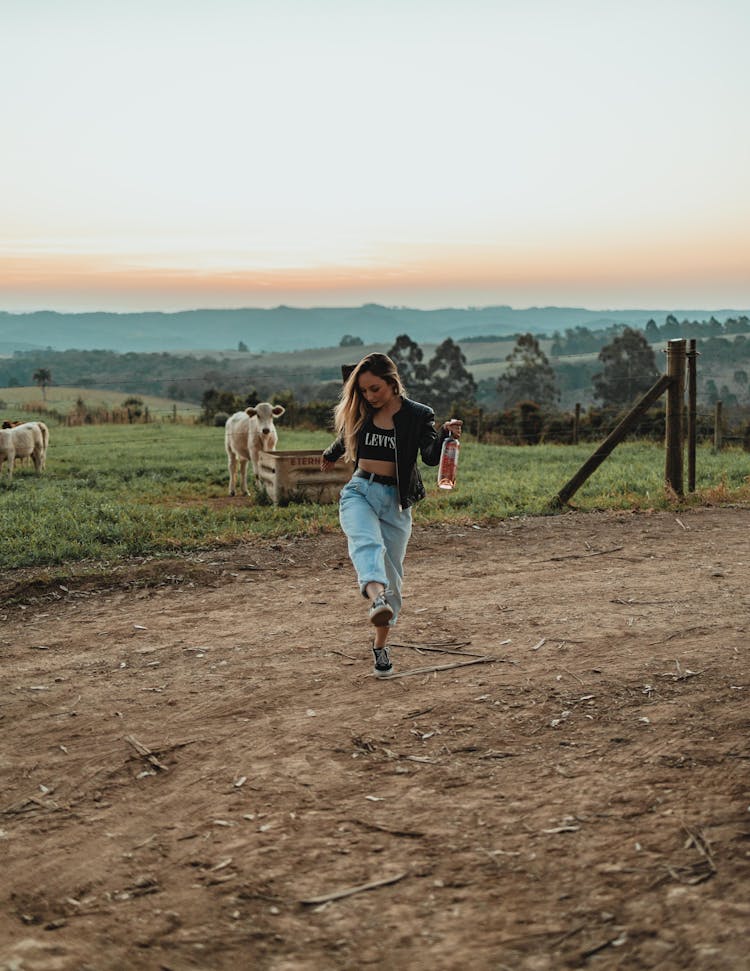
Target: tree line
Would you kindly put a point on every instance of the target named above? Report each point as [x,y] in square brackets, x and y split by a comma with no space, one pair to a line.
[582,340]
[525,396]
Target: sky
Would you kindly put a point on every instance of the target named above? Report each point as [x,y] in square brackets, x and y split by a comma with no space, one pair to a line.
[170,154]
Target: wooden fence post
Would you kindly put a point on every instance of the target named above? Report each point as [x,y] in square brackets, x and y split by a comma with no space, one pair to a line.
[614,438]
[675,433]
[692,418]
[576,422]
[717,426]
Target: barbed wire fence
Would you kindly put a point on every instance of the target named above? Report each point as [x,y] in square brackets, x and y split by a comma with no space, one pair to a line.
[720,423]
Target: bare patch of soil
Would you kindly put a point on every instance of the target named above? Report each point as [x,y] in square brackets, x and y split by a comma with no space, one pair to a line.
[196,756]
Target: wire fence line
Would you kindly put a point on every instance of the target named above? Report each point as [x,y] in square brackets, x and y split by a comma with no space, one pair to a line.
[525,423]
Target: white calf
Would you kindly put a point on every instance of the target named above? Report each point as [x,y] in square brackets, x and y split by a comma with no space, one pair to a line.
[45,439]
[21,441]
[246,434]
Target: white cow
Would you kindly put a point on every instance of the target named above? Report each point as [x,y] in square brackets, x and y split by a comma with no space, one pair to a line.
[22,441]
[9,423]
[246,434]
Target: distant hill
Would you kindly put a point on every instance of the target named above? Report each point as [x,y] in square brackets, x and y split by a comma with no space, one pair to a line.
[289,328]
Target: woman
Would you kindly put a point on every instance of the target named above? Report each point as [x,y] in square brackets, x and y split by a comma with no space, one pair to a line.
[382,432]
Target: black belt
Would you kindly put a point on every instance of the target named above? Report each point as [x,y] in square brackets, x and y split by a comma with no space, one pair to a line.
[374,477]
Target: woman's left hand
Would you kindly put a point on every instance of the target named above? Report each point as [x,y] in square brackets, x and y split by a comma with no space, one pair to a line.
[453,426]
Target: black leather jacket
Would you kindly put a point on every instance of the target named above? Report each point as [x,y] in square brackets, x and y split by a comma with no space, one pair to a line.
[415,435]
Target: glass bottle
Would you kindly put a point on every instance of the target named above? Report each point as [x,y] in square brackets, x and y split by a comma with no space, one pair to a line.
[448,463]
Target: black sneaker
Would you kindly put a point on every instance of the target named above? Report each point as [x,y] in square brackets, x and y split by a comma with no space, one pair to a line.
[383,667]
[380,612]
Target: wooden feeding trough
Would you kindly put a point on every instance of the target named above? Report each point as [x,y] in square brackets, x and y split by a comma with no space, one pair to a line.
[295,475]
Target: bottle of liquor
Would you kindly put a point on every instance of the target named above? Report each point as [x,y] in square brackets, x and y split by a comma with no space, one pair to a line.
[448,463]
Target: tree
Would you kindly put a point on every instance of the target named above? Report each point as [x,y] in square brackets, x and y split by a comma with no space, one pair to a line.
[530,423]
[288,402]
[348,340]
[529,375]
[450,382]
[249,401]
[652,331]
[43,377]
[629,370]
[711,392]
[134,407]
[408,356]
[242,346]
[214,401]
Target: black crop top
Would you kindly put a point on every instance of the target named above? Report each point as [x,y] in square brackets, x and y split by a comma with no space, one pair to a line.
[376,443]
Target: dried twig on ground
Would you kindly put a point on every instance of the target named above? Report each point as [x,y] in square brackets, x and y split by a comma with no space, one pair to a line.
[407,833]
[350,891]
[24,806]
[611,942]
[146,752]
[573,675]
[685,630]
[484,659]
[702,869]
[438,650]
[578,556]
[630,602]
[418,712]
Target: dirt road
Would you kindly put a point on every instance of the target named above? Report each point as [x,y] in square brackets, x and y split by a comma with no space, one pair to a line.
[200,772]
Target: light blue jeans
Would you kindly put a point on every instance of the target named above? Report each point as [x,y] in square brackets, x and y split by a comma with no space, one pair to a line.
[377,531]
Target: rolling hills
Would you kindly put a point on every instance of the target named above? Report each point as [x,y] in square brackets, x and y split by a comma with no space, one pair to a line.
[289,328]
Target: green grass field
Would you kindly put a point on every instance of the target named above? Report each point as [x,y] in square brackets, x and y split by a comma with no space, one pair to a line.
[112,491]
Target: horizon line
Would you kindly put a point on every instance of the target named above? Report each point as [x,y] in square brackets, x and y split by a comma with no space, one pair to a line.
[338,307]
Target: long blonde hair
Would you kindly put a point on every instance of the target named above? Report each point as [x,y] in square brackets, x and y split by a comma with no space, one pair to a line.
[352,411]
